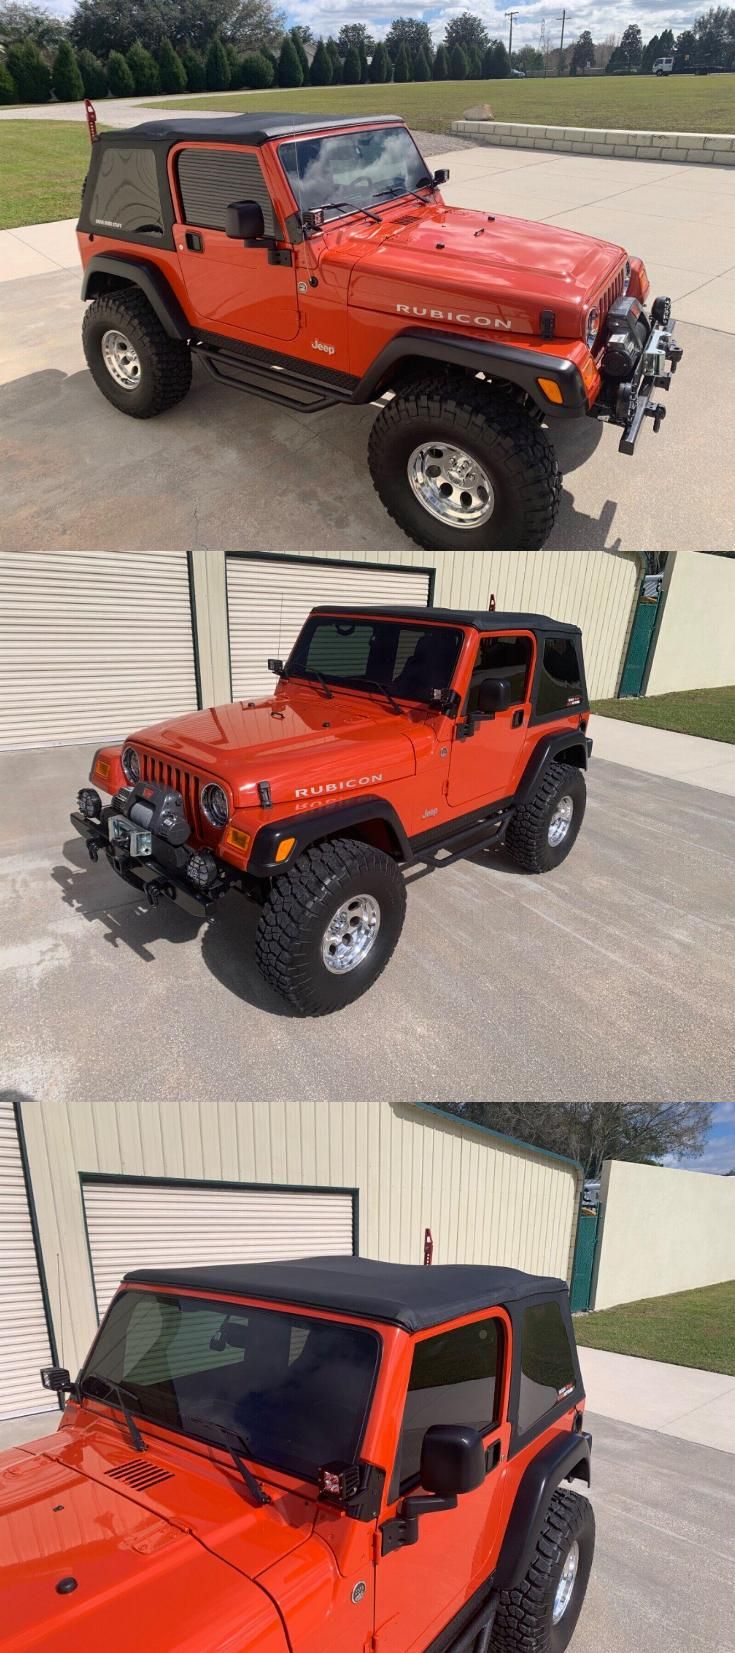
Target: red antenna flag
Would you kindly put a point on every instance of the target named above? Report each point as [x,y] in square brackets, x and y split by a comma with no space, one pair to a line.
[91,114]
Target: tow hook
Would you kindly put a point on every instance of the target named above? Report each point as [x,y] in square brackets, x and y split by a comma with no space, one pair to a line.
[157,888]
[657,412]
[92,850]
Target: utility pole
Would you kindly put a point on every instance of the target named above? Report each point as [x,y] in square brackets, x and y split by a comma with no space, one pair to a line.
[511,15]
[562,20]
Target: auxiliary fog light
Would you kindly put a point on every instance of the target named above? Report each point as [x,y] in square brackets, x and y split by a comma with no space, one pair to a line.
[201,869]
[89,803]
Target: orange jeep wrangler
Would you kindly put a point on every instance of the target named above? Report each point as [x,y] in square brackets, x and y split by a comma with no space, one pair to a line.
[393,738]
[329,1454]
[313,261]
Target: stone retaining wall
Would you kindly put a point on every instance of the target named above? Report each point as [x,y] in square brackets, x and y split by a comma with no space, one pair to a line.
[703,148]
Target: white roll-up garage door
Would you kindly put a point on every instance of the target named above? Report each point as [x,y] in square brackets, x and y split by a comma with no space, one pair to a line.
[169,1224]
[24,1341]
[268,601]
[92,644]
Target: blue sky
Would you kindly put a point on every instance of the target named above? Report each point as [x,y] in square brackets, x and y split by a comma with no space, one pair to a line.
[719,1154]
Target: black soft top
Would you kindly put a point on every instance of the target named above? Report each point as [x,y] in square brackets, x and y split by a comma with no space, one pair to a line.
[480,620]
[255,129]
[399,1294]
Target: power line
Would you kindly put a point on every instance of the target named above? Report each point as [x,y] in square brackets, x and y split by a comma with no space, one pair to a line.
[561,19]
[510,15]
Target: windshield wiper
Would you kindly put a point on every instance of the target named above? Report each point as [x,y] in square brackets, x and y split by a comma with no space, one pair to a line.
[337,206]
[403,189]
[237,1454]
[382,688]
[114,1389]
[321,680]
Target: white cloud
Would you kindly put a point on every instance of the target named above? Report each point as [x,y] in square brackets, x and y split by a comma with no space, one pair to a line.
[327,16]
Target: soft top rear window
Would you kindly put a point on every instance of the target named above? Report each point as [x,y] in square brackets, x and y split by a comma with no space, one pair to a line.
[124,196]
[296,1388]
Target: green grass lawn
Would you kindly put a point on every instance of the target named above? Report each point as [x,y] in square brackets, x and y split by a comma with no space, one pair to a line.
[42,169]
[676,104]
[707,712]
[691,1328]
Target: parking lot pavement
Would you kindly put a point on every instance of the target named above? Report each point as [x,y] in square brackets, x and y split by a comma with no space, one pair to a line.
[608,979]
[221,469]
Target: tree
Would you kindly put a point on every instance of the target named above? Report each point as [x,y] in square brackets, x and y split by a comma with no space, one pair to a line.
[8,88]
[321,66]
[421,65]
[530,59]
[305,34]
[651,51]
[170,68]
[234,63]
[196,78]
[474,64]
[352,68]
[441,64]
[301,55]
[144,70]
[256,70]
[113,25]
[715,35]
[378,70]
[666,42]
[401,66]
[457,64]
[355,34]
[290,72]
[21,21]
[27,69]
[334,54]
[496,62]
[685,52]
[631,46]
[467,31]
[617,62]
[646,1132]
[66,81]
[583,55]
[119,78]
[216,67]
[412,34]
[94,79]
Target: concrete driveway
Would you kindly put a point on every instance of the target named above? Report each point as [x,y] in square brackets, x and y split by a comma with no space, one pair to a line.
[610,978]
[221,469]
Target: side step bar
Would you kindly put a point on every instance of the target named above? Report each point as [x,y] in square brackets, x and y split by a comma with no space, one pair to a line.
[483,835]
[275,384]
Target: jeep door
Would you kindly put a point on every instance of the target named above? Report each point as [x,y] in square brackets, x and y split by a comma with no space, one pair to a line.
[459,1375]
[232,289]
[488,748]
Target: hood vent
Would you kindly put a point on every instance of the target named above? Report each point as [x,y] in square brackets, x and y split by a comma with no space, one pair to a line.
[139,1474]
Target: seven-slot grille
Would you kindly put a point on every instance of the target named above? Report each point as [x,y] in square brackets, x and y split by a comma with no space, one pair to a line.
[169,774]
[139,1475]
[614,290]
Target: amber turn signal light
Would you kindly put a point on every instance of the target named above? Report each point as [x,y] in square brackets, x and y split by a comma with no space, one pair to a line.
[102,768]
[284,849]
[550,389]
[238,839]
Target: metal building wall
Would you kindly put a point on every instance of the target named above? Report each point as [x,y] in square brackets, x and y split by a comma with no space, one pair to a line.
[595,589]
[485,1200]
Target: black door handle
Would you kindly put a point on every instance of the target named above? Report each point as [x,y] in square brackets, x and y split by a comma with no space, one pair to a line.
[194,242]
[516,719]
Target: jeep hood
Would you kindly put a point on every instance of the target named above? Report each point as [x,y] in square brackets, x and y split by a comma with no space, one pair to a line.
[148,1565]
[506,270]
[296,739]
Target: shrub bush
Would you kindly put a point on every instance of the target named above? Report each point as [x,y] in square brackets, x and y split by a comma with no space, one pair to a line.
[401,67]
[457,64]
[290,72]
[29,72]
[171,71]
[94,78]
[66,81]
[217,67]
[196,78]
[441,64]
[321,66]
[119,78]
[8,88]
[256,70]
[144,70]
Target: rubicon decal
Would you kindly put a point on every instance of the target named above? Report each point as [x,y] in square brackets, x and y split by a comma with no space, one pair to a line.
[462,316]
[337,786]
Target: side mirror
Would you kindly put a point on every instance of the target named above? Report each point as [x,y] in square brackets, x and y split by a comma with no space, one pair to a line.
[275,666]
[244,221]
[452,1459]
[493,696]
[55,1378]
[440,177]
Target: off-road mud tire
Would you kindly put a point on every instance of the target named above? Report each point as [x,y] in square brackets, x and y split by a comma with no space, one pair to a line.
[527,839]
[523,1622]
[509,443]
[165,363]
[298,909]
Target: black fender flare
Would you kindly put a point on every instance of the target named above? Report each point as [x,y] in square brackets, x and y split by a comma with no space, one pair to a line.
[138,272]
[332,821]
[571,742]
[566,1458]
[514,363]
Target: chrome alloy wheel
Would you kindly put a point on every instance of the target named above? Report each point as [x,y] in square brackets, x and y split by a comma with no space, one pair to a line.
[565,1587]
[351,934]
[121,360]
[560,822]
[451,485]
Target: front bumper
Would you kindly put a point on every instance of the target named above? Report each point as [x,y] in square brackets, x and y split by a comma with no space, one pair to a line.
[155,875]
[628,401]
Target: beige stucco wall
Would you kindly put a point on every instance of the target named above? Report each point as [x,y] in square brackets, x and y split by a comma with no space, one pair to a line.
[662,1231]
[484,1199]
[695,648]
[594,589]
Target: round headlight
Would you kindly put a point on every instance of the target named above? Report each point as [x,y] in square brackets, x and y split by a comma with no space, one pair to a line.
[130,765]
[593,322]
[215,805]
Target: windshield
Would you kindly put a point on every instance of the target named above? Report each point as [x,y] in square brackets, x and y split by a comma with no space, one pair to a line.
[296,1389]
[409,659]
[354,169]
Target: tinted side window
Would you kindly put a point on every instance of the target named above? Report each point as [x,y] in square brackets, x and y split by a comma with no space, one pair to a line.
[547,1363]
[508,657]
[454,1379]
[210,180]
[560,682]
[125,195]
